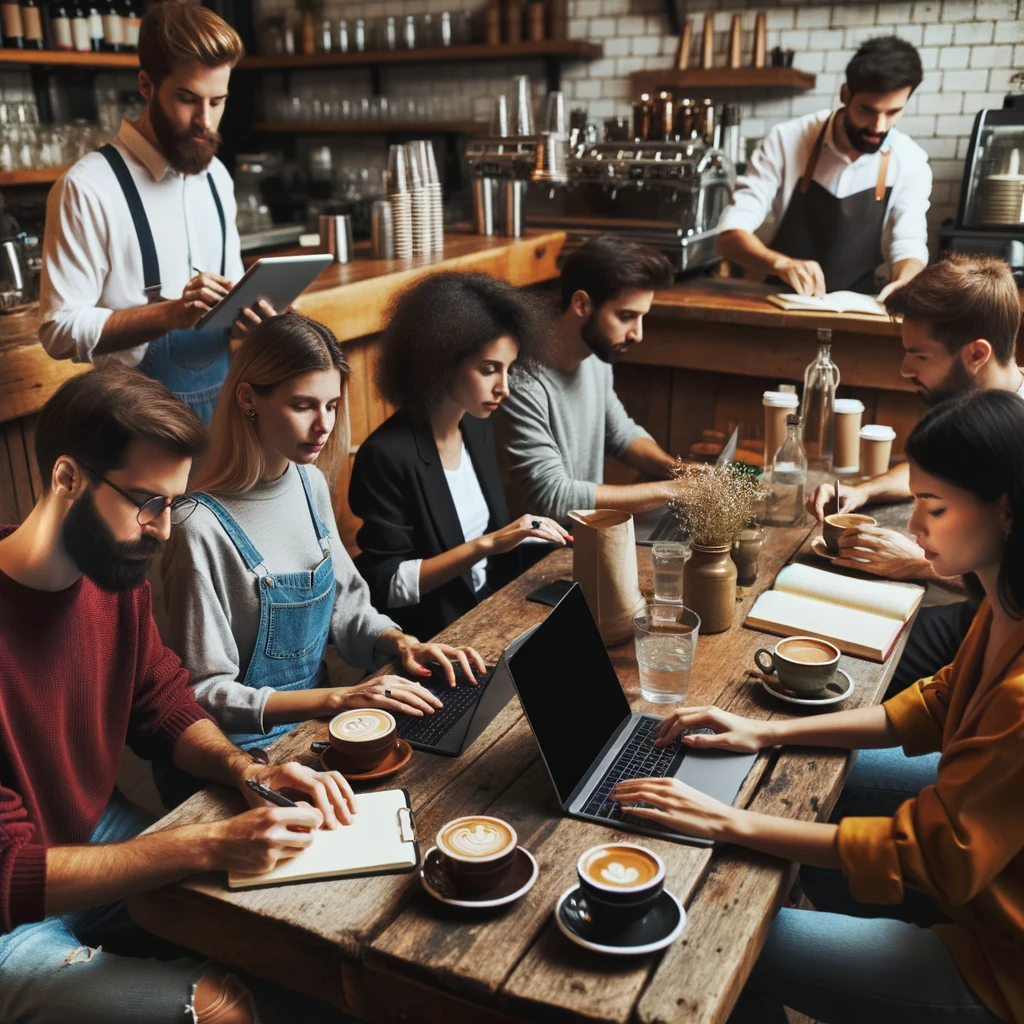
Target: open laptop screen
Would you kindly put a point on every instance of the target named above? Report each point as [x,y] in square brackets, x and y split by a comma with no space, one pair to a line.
[569,690]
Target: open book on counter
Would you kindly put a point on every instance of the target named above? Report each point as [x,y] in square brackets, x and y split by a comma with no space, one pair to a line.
[833,302]
[861,617]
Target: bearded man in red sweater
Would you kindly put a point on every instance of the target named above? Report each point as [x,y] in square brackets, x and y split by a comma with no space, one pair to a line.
[82,672]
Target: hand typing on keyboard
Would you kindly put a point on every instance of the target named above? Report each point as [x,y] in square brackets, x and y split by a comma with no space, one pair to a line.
[675,806]
[420,660]
[710,728]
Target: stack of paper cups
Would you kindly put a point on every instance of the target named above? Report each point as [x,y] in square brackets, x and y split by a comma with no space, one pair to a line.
[436,202]
[400,200]
[422,229]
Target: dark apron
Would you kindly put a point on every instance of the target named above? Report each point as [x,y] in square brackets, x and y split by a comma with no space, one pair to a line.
[844,236]
[191,364]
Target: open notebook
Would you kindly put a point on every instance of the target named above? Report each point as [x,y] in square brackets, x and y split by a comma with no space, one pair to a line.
[833,302]
[380,839]
[861,617]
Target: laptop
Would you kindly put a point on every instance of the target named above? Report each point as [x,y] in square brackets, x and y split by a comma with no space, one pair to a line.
[659,523]
[589,738]
[467,710]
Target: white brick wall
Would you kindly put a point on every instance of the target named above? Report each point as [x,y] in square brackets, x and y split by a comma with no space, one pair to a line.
[969,49]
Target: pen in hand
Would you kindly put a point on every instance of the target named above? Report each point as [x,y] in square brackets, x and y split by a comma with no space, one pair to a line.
[270,795]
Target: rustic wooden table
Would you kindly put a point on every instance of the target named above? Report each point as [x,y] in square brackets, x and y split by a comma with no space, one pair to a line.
[383,949]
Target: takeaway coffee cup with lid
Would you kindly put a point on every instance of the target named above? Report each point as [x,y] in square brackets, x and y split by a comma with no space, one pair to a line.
[846,456]
[875,448]
[777,406]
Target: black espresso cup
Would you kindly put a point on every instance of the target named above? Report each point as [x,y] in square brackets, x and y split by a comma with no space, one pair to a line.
[621,881]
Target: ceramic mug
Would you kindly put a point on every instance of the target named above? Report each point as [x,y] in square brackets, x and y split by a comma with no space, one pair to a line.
[804,664]
[621,882]
[836,525]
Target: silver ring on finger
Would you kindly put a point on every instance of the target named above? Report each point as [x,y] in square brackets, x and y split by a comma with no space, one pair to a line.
[387,693]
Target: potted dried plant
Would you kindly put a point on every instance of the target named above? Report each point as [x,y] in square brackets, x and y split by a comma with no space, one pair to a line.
[717,503]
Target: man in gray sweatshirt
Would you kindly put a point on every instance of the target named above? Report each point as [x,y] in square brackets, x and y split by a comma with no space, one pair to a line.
[563,417]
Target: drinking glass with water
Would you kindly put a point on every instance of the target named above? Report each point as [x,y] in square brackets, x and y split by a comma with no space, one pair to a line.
[666,642]
[667,559]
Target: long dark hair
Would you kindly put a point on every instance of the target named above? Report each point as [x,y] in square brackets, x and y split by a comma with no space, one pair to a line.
[977,444]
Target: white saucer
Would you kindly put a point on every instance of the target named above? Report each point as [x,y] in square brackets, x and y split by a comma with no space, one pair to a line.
[819,548]
[832,698]
[487,900]
[660,927]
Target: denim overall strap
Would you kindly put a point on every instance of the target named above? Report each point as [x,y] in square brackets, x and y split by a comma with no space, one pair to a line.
[223,223]
[191,364]
[295,617]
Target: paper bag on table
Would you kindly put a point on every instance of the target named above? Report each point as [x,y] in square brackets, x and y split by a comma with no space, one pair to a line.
[604,565]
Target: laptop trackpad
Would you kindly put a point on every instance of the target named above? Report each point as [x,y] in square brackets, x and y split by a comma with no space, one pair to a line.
[715,772]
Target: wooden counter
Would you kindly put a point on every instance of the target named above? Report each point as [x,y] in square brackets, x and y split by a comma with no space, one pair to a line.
[352,299]
[723,345]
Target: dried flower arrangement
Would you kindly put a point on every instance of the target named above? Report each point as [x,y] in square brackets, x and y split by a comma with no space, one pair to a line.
[718,502]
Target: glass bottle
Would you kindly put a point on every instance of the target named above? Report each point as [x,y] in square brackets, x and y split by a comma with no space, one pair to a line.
[80,28]
[789,479]
[60,26]
[95,28]
[113,27]
[32,23]
[14,33]
[130,21]
[817,409]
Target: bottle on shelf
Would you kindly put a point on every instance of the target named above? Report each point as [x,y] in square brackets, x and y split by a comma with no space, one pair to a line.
[13,28]
[32,25]
[130,22]
[60,26]
[95,27]
[80,28]
[817,405]
[789,479]
[113,27]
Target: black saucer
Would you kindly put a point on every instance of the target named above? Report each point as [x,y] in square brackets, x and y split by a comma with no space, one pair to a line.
[516,883]
[658,928]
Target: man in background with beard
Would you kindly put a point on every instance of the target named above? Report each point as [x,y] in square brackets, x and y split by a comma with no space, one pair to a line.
[140,236]
[960,322]
[83,672]
[563,417]
[847,190]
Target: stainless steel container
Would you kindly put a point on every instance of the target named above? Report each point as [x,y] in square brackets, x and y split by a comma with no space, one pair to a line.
[485,206]
[336,237]
[513,208]
[382,231]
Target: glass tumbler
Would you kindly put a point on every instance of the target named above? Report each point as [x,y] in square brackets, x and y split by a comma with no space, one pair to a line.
[666,642]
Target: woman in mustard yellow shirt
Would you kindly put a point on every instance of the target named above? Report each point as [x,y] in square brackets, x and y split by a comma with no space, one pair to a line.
[943,849]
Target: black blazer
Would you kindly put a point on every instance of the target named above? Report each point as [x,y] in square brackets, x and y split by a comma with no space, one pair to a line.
[399,490]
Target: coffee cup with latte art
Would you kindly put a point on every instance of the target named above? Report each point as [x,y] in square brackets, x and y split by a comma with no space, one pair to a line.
[362,737]
[477,851]
[804,664]
[621,881]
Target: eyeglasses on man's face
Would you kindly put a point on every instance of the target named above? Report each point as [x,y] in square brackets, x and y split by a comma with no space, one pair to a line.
[153,508]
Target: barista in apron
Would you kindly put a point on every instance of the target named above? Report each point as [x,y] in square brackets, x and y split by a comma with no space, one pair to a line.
[191,364]
[847,190]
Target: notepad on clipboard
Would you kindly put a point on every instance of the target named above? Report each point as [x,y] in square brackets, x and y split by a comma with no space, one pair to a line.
[861,617]
[380,840]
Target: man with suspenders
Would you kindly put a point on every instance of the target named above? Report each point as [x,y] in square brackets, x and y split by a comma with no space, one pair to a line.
[848,191]
[140,236]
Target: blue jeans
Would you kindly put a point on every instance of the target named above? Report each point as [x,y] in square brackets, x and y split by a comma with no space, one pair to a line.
[56,971]
[857,963]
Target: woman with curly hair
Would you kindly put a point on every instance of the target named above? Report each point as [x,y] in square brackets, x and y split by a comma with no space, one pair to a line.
[425,482]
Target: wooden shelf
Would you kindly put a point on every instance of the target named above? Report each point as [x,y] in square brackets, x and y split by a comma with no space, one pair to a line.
[567,49]
[372,127]
[722,78]
[70,58]
[35,176]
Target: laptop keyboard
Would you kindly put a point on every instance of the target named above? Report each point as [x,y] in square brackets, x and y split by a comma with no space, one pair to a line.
[429,729]
[666,528]
[638,759]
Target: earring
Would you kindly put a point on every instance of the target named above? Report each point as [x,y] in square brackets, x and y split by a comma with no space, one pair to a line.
[252,415]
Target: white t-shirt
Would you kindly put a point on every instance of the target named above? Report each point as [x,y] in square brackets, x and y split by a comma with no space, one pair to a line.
[474,515]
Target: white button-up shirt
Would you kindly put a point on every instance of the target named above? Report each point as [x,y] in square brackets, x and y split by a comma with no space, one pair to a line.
[775,169]
[92,264]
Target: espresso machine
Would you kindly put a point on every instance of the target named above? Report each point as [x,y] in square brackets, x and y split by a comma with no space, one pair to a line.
[990,215]
[666,186]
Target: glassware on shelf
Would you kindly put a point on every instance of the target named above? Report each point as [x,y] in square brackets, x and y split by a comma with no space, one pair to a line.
[817,404]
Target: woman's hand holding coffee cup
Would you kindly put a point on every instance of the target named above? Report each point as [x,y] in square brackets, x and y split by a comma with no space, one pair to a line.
[822,500]
[677,806]
[884,552]
[731,732]
[328,792]
[419,658]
